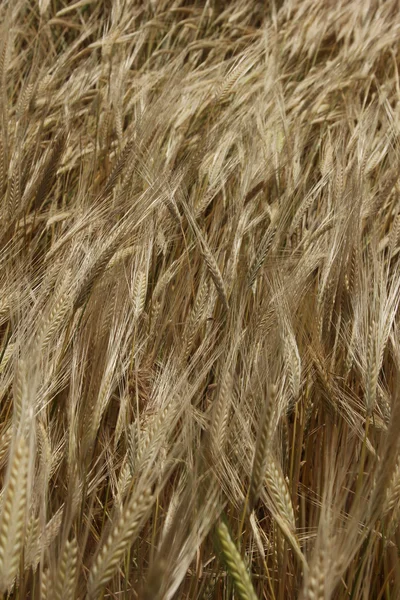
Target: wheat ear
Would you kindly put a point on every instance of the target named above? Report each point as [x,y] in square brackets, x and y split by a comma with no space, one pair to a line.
[13,515]
[118,542]
[65,584]
[235,565]
[261,455]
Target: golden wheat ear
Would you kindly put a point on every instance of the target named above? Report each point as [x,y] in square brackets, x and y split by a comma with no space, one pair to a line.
[121,537]
[13,512]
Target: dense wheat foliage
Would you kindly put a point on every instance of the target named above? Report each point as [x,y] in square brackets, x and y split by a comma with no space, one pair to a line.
[200,279]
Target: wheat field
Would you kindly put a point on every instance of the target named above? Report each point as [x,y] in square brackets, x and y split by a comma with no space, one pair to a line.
[200,280]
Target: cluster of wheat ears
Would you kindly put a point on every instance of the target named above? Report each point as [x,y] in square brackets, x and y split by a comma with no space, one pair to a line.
[200,279]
